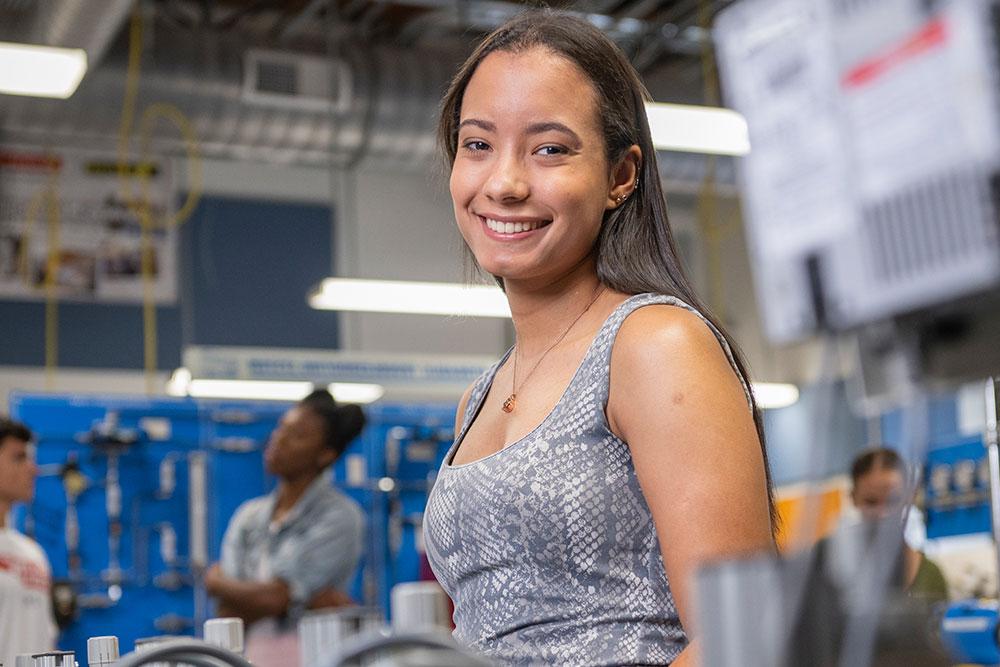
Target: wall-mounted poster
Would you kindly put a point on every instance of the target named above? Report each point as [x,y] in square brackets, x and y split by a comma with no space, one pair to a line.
[77,203]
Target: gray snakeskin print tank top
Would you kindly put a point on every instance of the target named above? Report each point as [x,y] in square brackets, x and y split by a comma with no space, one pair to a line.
[547,547]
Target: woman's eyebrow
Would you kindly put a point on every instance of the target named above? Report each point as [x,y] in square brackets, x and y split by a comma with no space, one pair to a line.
[484,124]
[534,128]
[553,126]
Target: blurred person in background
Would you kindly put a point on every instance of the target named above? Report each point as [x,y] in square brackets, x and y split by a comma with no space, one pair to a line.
[296,548]
[877,484]
[26,621]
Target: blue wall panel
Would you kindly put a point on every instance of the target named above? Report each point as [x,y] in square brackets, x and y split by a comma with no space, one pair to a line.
[90,335]
[244,269]
[247,269]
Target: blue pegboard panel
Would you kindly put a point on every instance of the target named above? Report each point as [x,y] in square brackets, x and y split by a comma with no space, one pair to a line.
[956,480]
[388,470]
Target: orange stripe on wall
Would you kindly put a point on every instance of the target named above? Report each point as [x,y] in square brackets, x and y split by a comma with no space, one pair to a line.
[790,508]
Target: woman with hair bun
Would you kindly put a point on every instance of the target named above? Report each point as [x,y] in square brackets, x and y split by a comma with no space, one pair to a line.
[296,548]
[616,447]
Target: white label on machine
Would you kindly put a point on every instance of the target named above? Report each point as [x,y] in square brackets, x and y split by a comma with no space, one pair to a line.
[968,624]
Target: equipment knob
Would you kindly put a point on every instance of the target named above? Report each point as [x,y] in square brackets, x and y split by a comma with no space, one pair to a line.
[102,651]
[226,633]
[418,606]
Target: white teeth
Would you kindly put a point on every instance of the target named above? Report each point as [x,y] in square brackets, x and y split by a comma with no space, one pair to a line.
[511,227]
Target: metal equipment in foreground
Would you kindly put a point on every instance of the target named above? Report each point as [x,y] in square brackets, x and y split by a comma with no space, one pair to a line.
[872,194]
[346,637]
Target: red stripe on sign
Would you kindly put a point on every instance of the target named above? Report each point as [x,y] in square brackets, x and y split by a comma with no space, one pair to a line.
[931,35]
[30,161]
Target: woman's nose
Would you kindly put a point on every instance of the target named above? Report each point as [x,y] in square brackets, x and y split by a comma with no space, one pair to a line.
[507,181]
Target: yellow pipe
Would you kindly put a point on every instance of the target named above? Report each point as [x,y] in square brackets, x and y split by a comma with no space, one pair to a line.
[142,206]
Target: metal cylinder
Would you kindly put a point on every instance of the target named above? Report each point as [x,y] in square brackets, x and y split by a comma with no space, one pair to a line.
[225,633]
[54,659]
[323,633]
[419,606]
[102,651]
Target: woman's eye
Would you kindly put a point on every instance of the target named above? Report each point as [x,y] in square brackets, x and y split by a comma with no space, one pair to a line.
[552,150]
[475,145]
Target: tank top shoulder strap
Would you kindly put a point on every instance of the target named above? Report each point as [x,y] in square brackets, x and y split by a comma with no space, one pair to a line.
[599,358]
[479,390]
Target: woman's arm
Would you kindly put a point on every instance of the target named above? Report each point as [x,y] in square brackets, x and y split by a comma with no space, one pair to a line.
[249,600]
[679,405]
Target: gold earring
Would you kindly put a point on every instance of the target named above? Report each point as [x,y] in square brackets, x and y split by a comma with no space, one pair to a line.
[620,198]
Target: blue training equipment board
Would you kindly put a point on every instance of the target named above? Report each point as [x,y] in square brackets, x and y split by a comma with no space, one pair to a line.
[114,509]
[957,488]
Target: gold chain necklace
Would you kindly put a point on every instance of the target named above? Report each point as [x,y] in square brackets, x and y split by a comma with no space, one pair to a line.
[511,402]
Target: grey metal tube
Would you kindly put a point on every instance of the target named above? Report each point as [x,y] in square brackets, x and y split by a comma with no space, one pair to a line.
[992,437]
[84,24]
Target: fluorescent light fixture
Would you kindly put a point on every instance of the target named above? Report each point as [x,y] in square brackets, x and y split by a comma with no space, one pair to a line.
[40,71]
[771,395]
[268,390]
[178,383]
[181,383]
[355,392]
[694,129]
[392,296]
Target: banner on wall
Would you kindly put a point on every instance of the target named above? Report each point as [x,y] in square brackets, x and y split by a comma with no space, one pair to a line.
[75,201]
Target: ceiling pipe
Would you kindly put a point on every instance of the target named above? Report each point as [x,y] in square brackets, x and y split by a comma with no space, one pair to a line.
[90,25]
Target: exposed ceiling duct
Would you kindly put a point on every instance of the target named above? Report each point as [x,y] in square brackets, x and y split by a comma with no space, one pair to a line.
[90,25]
[389,116]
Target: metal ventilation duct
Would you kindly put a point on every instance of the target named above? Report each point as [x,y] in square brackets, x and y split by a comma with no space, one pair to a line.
[391,115]
[90,25]
[83,24]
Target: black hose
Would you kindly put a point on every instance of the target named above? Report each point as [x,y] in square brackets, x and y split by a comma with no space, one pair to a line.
[366,644]
[189,651]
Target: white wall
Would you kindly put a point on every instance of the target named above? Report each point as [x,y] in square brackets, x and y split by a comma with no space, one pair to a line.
[389,224]
[406,230]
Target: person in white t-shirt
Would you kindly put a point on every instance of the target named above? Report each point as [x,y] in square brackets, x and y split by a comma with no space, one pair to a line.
[26,621]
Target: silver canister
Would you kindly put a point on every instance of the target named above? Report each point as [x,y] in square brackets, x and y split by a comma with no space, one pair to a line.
[322,633]
[419,606]
[54,659]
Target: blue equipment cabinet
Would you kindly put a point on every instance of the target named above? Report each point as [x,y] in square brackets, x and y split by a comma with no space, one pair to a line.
[957,483]
[113,503]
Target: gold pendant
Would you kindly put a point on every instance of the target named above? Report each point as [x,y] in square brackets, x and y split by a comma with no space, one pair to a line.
[508,405]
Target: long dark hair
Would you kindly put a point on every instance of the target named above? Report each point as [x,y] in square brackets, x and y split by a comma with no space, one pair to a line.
[635,249]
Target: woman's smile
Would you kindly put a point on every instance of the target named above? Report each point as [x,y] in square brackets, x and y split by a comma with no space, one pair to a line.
[507,228]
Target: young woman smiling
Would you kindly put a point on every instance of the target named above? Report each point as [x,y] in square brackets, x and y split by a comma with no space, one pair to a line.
[616,446]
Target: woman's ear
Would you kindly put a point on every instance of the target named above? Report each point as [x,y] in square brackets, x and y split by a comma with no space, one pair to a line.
[624,177]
